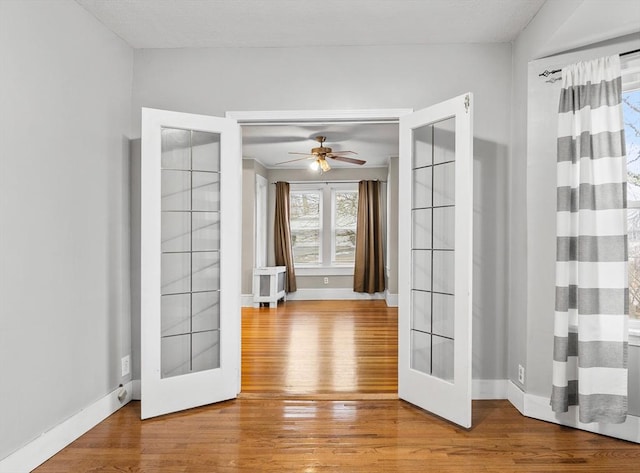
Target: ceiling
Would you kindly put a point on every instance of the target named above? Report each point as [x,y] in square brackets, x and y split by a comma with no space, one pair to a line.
[271,144]
[292,23]
[301,23]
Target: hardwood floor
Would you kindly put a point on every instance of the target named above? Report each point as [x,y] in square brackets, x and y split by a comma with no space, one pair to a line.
[331,350]
[336,436]
[320,350]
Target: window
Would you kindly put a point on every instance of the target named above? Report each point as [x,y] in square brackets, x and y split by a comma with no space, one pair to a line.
[323,224]
[306,226]
[631,114]
[344,215]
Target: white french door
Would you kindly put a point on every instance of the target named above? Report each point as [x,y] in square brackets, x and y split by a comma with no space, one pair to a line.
[435,258]
[190,260]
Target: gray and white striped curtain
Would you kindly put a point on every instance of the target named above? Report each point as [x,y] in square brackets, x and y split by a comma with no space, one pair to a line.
[590,329]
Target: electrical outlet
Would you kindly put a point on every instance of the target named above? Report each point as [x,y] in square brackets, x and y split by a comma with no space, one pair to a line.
[125,364]
[326,280]
[521,374]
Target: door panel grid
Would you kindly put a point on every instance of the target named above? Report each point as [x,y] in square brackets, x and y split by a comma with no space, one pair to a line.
[190,251]
[432,249]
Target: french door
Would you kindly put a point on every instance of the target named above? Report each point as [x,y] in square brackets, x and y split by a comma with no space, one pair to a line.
[190,260]
[435,259]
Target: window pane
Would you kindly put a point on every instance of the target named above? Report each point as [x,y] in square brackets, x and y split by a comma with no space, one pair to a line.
[345,246]
[306,226]
[306,246]
[346,210]
[305,210]
[633,225]
[344,218]
[631,113]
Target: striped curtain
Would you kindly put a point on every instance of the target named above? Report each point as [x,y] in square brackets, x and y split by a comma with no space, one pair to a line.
[590,328]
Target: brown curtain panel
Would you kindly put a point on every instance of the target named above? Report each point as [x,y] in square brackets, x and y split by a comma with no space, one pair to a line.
[282,235]
[369,267]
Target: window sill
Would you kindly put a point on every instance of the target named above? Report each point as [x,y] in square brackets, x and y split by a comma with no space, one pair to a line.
[324,270]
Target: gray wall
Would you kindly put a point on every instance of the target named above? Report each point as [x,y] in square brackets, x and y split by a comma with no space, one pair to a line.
[391,261]
[541,208]
[250,168]
[532,191]
[65,95]
[548,20]
[213,81]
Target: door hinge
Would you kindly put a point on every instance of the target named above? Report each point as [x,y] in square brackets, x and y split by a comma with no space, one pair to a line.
[467,102]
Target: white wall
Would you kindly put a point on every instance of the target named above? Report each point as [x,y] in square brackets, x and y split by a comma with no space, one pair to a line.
[213,81]
[65,98]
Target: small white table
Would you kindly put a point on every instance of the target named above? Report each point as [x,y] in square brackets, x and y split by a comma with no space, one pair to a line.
[268,285]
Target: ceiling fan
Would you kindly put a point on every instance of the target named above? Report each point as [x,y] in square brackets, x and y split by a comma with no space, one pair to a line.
[320,154]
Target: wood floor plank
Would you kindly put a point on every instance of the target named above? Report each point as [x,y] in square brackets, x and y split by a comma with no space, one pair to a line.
[339,349]
[336,436]
[299,358]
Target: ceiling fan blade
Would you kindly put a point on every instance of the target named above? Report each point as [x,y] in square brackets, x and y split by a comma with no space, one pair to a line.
[294,160]
[342,152]
[347,160]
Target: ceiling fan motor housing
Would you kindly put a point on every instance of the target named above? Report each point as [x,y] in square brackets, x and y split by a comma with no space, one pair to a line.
[320,150]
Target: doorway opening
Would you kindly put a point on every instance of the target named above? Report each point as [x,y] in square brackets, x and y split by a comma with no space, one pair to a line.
[326,348]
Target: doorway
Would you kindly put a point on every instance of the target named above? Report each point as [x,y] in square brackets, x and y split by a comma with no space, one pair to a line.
[309,333]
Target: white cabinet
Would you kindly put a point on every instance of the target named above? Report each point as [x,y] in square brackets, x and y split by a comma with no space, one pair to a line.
[268,285]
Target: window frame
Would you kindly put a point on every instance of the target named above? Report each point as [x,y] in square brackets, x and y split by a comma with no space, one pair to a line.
[318,191]
[630,69]
[327,265]
[334,228]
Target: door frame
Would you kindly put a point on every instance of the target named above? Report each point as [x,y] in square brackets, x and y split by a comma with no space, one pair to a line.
[314,117]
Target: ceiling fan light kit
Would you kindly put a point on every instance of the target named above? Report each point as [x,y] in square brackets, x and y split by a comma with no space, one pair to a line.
[319,155]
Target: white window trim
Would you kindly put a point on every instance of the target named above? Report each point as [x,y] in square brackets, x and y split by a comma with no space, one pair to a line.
[630,81]
[308,190]
[327,267]
[334,228]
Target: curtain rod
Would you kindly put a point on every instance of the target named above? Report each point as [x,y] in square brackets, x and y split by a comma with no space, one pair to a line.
[328,182]
[547,73]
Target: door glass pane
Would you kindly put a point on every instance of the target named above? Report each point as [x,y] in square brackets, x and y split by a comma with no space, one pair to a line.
[444,141]
[190,245]
[175,231]
[175,149]
[176,314]
[205,234]
[421,351]
[444,184]
[175,353]
[433,249]
[205,151]
[421,301]
[442,358]
[206,311]
[421,236]
[206,350]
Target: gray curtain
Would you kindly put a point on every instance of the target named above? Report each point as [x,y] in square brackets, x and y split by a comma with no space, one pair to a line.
[369,265]
[590,328]
[282,235]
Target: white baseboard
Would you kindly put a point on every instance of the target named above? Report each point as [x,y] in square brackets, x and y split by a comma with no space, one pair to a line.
[392,299]
[51,442]
[246,300]
[538,407]
[489,389]
[321,294]
[515,396]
